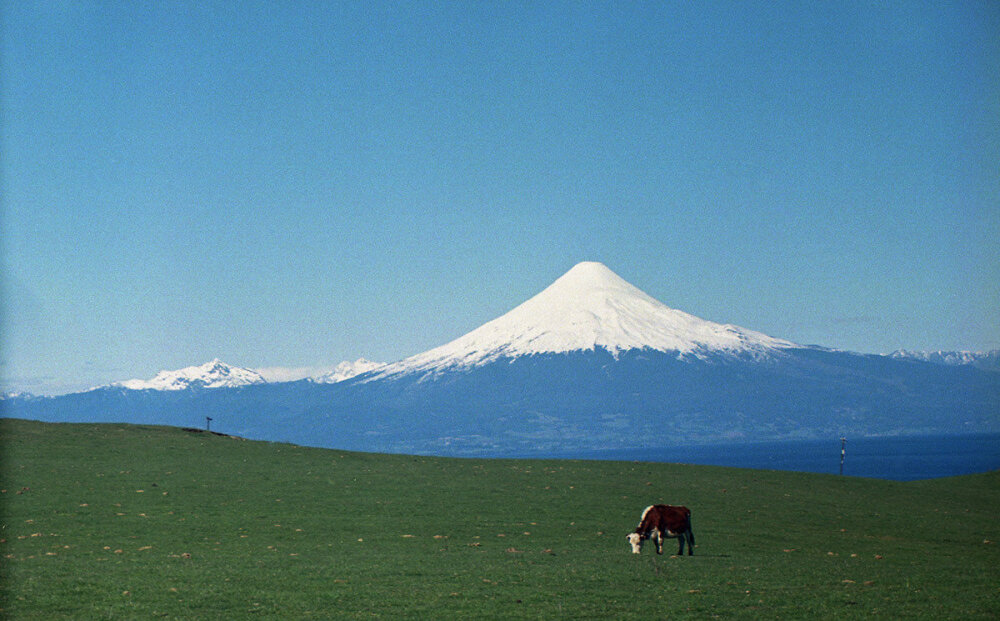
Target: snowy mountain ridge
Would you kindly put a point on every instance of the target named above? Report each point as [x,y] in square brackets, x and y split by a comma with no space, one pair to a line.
[212,374]
[981,359]
[347,369]
[587,308]
[218,374]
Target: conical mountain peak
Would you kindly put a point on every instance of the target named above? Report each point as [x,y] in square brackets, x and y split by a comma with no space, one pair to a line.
[590,307]
[592,274]
[590,281]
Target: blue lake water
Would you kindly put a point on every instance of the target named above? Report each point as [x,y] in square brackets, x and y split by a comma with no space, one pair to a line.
[900,458]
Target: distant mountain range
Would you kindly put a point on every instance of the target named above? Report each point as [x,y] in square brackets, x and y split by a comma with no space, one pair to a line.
[218,374]
[346,370]
[214,374]
[591,362]
[989,360]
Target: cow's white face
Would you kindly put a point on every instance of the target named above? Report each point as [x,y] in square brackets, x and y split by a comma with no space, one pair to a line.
[635,541]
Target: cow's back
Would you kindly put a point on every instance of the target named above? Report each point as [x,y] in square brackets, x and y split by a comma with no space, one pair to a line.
[671,519]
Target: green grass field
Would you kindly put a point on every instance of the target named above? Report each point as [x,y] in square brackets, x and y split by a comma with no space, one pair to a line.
[124,522]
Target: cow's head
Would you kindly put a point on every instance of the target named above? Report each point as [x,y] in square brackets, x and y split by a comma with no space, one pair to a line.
[635,540]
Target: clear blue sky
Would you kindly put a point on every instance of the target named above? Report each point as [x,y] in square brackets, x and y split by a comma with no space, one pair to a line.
[300,183]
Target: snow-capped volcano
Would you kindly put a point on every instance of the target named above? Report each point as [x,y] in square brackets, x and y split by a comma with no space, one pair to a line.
[590,363]
[590,307]
[214,374]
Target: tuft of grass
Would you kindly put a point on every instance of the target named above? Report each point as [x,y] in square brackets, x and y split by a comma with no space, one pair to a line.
[122,522]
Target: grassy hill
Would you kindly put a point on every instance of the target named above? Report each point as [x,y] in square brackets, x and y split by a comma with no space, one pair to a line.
[117,521]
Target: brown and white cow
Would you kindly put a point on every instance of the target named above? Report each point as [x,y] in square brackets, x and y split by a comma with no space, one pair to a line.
[661,522]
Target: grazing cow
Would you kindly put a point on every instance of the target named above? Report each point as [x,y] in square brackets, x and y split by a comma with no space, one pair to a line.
[661,522]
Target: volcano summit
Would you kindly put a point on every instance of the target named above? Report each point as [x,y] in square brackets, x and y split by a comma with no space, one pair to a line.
[589,308]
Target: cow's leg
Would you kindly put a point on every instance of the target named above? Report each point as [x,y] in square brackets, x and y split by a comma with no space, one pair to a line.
[680,544]
[690,536]
[658,537]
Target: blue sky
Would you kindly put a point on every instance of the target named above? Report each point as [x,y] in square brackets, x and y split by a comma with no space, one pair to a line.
[296,184]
